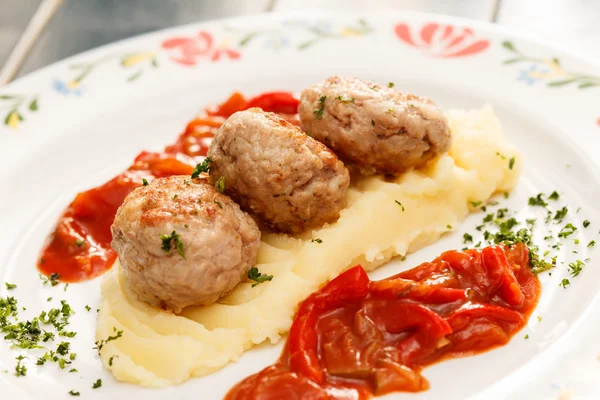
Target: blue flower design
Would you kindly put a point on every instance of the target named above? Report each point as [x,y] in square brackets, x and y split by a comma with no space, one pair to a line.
[527,75]
[67,88]
[277,42]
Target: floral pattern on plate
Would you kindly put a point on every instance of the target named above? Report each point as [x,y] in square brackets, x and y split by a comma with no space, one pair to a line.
[442,40]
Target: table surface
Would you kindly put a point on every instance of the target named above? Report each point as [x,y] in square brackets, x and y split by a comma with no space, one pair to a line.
[78,25]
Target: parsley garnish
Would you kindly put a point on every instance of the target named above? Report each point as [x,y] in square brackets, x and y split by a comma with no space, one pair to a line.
[175,196]
[475,203]
[20,370]
[586,223]
[74,393]
[220,184]
[448,226]
[79,242]
[400,204]
[319,111]
[317,240]
[390,84]
[592,243]
[467,238]
[97,384]
[258,277]
[10,286]
[501,156]
[568,230]
[554,195]
[54,279]
[100,343]
[345,99]
[537,201]
[219,204]
[511,163]
[560,214]
[576,267]
[527,336]
[204,166]
[372,123]
[87,308]
[564,283]
[144,182]
[110,360]
[175,238]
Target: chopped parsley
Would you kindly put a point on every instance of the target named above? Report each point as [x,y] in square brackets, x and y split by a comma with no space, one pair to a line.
[204,166]
[511,163]
[502,156]
[527,336]
[220,184]
[564,283]
[448,226]
[475,203]
[372,123]
[97,384]
[20,369]
[100,343]
[467,238]
[537,201]
[345,99]
[79,242]
[144,182]
[586,223]
[74,393]
[219,204]
[554,195]
[539,318]
[561,214]
[53,279]
[10,286]
[317,240]
[374,87]
[568,230]
[576,267]
[175,239]
[319,111]
[390,84]
[400,204]
[258,277]
[110,360]
[175,196]
[87,308]
[592,243]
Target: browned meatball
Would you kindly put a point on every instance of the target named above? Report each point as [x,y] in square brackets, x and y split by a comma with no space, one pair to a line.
[182,243]
[274,170]
[378,128]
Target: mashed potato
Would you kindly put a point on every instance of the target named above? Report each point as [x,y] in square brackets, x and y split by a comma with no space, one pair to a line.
[384,218]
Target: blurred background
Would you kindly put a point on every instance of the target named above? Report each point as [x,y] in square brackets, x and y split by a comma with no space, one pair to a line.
[35,33]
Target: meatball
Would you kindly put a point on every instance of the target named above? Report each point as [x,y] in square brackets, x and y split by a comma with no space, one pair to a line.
[378,128]
[277,172]
[182,243]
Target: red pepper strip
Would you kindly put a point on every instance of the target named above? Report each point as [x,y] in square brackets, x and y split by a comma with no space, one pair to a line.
[277,102]
[352,285]
[461,317]
[236,102]
[404,288]
[400,316]
[494,259]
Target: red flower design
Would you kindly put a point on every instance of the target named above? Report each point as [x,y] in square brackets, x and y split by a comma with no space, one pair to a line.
[442,40]
[189,50]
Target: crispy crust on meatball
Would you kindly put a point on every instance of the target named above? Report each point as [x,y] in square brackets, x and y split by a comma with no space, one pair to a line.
[212,245]
[275,171]
[378,128]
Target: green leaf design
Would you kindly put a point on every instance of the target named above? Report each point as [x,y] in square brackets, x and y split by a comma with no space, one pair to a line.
[561,83]
[513,60]
[134,76]
[305,45]
[508,45]
[33,106]
[586,85]
[247,38]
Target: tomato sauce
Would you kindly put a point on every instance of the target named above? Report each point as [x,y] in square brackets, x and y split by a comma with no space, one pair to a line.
[356,338]
[79,247]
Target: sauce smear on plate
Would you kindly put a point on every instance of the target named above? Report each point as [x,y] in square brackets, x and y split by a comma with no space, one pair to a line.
[355,338]
[79,248]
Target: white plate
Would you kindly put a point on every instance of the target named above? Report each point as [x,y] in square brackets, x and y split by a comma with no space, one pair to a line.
[77,134]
